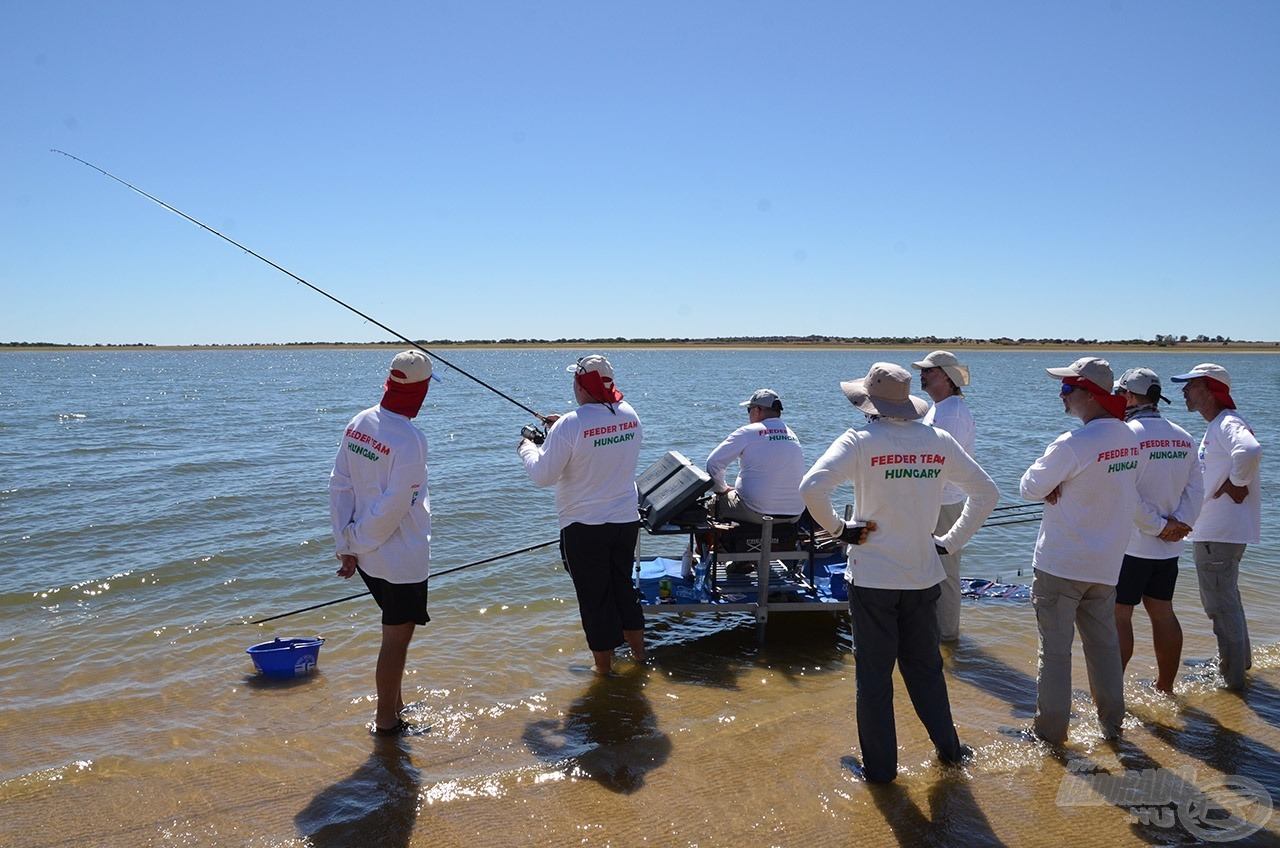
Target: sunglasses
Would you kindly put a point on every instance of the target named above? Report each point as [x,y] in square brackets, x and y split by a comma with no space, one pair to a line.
[1067,389]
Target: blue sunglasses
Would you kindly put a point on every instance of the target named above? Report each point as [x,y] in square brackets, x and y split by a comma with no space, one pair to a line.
[1067,389]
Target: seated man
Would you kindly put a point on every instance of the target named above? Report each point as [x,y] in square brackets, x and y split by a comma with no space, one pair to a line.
[770,465]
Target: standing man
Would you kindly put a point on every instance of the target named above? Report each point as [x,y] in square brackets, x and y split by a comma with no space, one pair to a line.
[1231,517]
[898,468]
[1088,481]
[381,514]
[1170,492]
[942,377]
[590,456]
[770,465]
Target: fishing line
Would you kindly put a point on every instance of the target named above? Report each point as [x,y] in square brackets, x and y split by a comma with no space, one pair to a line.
[314,288]
[432,577]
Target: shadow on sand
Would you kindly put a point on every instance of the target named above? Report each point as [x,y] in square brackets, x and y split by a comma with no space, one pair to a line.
[954,817]
[609,734]
[377,804]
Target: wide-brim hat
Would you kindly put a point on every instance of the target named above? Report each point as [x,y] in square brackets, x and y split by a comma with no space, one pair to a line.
[950,366]
[885,391]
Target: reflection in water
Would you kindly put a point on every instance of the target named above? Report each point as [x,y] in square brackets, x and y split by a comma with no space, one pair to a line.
[377,804]
[610,734]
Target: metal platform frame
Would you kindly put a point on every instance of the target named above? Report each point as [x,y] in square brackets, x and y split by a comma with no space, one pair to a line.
[761,606]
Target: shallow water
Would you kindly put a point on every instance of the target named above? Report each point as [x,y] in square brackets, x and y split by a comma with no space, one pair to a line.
[153,503]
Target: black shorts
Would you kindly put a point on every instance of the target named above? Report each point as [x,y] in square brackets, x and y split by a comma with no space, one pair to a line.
[401,603]
[1154,578]
[600,558]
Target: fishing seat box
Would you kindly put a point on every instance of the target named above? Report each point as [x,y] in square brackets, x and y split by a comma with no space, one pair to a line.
[668,488]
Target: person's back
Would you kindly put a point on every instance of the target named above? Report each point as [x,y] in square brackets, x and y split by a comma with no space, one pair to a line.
[770,465]
[381,452]
[590,456]
[898,468]
[1087,479]
[1084,533]
[899,474]
[1169,483]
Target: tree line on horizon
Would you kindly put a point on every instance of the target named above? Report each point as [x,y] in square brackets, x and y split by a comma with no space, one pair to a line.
[1160,340]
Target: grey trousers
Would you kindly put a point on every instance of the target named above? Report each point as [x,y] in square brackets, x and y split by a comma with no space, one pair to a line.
[1218,572]
[1062,606]
[731,507]
[949,600]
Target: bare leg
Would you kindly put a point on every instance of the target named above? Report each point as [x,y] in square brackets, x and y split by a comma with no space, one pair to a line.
[1166,633]
[603,661]
[1124,629]
[390,672]
[635,638]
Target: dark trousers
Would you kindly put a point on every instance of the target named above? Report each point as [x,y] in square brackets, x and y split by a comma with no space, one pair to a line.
[898,626]
[599,558]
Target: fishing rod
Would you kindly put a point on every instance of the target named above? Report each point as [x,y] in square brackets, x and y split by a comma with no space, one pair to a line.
[311,286]
[438,574]
[1033,505]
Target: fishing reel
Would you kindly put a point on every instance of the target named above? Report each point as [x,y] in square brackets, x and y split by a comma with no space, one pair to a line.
[533,434]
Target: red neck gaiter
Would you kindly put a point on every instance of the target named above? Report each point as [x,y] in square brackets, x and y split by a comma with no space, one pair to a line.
[1220,392]
[404,398]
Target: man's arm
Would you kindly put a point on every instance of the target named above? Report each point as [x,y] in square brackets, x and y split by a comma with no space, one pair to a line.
[981,497]
[1246,460]
[342,501]
[832,469]
[1042,481]
[546,463]
[404,487]
[722,457]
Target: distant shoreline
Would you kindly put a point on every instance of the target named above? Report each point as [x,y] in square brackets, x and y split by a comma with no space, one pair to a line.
[707,344]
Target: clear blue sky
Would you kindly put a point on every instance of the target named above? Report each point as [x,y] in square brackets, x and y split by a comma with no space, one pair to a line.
[675,169]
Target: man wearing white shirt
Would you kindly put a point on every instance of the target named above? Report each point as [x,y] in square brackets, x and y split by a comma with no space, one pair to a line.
[1088,481]
[943,378]
[1170,492]
[770,465]
[590,456]
[381,515]
[1231,517]
[898,468]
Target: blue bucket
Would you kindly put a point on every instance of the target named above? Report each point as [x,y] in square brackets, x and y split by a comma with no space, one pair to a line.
[286,657]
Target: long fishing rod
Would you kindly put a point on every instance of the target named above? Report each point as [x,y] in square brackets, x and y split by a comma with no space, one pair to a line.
[432,577]
[311,286]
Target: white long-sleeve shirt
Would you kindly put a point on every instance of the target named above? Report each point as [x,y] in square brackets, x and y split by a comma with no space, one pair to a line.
[898,470]
[952,414]
[1169,486]
[1229,451]
[590,456]
[1084,534]
[378,499]
[770,465]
